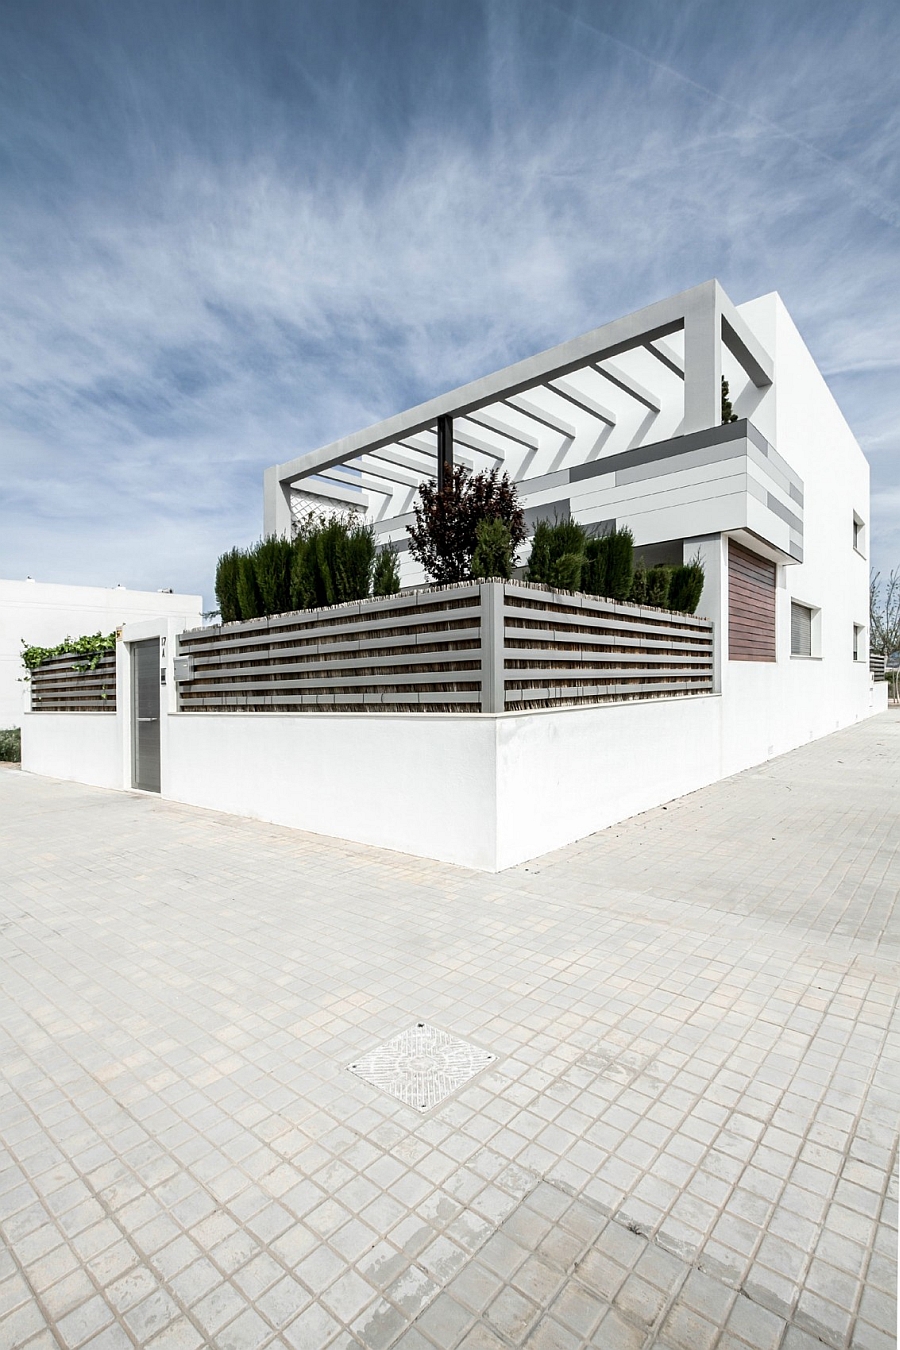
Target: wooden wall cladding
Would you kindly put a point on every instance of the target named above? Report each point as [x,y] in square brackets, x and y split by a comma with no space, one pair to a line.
[751,605]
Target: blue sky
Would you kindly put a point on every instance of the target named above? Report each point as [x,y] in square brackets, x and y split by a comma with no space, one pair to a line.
[231,232]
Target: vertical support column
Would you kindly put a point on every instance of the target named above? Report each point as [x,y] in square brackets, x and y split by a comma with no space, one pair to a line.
[276,505]
[444,452]
[713,553]
[703,361]
[493,687]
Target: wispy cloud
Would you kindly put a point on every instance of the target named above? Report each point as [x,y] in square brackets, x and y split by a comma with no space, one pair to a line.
[277,242]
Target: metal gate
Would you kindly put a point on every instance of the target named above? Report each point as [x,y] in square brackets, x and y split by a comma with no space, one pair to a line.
[145,714]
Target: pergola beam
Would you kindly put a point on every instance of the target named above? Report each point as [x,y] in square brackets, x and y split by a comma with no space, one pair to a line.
[583,401]
[490,423]
[663,352]
[547,419]
[705,315]
[629,386]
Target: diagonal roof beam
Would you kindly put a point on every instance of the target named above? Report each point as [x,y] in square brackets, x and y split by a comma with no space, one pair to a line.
[583,401]
[664,353]
[414,443]
[389,472]
[403,461]
[368,484]
[485,419]
[629,385]
[547,419]
[476,443]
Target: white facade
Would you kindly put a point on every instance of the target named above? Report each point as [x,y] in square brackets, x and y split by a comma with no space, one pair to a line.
[620,426]
[44,614]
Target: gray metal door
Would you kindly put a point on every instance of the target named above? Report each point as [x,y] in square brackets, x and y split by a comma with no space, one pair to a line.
[145,714]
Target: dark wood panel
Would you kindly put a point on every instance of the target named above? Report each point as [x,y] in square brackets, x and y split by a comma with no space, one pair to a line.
[751,605]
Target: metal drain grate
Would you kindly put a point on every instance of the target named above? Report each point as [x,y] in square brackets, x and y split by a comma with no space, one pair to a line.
[421,1067]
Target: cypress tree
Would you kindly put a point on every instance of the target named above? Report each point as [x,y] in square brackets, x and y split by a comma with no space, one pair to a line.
[247,589]
[596,561]
[552,542]
[619,564]
[658,585]
[493,556]
[686,587]
[227,572]
[638,593]
[566,571]
[354,560]
[728,413]
[385,574]
[272,560]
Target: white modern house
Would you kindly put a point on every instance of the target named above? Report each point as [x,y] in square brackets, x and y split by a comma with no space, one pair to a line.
[43,614]
[492,722]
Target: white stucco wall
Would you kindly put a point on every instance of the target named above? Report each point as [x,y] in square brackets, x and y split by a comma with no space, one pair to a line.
[565,773]
[772,707]
[81,747]
[480,791]
[45,613]
[420,784]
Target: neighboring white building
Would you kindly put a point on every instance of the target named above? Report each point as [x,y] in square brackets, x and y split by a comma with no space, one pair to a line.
[44,614]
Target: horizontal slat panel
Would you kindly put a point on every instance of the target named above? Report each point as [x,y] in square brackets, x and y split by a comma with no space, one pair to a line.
[58,686]
[428,651]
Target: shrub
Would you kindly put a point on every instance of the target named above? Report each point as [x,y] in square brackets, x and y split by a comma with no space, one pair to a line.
[593,573]
[227,573]
[493,556]
[619,564]
[443,537]
[354,561]
[333,562]
[11,745]
[386,574]
[553,541]
[638,592]
[272,558]
[686,587]
[566,572]
[658,585]
[249,602]
[728,413]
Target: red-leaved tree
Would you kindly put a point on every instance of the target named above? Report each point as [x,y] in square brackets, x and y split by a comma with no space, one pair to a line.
[443,537]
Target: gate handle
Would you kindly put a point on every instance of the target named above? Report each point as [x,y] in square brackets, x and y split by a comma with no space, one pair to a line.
[148,719]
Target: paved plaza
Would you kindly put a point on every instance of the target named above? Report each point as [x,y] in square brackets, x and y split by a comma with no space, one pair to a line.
[686,1138]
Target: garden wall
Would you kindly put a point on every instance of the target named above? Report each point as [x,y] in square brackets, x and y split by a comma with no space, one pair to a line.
[478,647]
[84,747]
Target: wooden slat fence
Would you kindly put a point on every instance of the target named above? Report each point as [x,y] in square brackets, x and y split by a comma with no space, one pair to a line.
[61,684]
[400,654]
[478,647]
[563,649]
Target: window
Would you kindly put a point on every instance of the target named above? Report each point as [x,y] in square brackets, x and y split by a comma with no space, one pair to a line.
[859,534]
[859,642]
[801,629]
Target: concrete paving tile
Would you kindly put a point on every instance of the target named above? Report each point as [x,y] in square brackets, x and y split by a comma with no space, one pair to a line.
[688,1018]
[445,1322]
[614,1333]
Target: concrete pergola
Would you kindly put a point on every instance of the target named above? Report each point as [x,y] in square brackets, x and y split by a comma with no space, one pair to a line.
[506,418]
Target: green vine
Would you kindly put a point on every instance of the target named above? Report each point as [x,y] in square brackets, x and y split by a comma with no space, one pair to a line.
[91,647]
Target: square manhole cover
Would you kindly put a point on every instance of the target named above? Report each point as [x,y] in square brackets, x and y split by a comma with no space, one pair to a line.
[421,1067]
